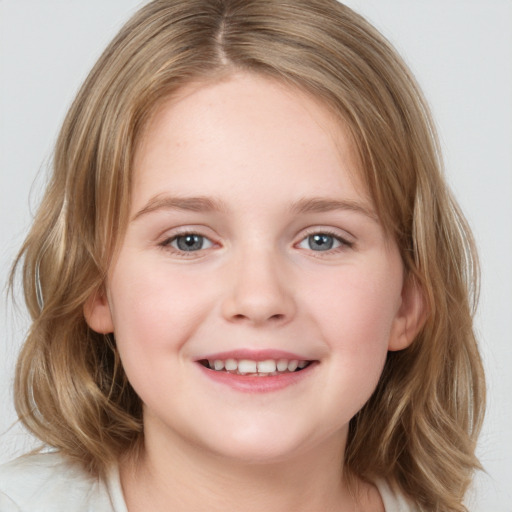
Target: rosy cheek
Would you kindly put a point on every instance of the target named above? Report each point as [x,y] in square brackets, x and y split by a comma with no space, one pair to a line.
[356,314]
[155,309]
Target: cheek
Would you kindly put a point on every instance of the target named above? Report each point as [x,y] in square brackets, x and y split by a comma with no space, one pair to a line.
[154,311]
[362,301]
[356,311]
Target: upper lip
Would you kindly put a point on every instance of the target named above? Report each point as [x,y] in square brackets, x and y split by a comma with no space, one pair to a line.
[254,355]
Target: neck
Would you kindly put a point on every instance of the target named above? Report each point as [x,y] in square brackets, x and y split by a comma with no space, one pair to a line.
[181,477]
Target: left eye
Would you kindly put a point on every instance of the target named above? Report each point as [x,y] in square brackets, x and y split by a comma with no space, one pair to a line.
[320,242]
[190,242]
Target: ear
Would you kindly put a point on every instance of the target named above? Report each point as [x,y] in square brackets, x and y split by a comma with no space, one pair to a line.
[97,313]
[411,316]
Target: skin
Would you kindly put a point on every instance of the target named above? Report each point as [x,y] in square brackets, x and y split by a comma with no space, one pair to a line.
[255,148]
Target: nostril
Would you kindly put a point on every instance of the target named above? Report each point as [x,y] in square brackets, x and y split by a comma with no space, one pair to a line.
[277,317]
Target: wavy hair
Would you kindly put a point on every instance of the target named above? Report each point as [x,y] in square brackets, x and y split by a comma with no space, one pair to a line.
[419,428]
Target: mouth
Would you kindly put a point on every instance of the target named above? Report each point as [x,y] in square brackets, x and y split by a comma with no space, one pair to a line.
[257,371]
[253,368]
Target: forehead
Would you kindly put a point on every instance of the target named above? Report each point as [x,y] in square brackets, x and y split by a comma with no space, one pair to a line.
[242,130]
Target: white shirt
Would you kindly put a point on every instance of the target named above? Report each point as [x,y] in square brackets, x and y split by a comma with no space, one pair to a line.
[48,482]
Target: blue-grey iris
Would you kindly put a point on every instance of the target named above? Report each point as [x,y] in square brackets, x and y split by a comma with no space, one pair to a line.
[189,242]
[320,242]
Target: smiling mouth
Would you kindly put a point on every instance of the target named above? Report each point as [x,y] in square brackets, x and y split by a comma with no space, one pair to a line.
[266,368]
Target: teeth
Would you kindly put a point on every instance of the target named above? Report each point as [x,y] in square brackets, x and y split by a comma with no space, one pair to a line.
[267,366]
[246,366]
[282,365]
[264,368]
[231,365]
[293,365]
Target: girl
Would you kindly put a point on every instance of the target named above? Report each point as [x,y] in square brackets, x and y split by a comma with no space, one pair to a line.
[250,287]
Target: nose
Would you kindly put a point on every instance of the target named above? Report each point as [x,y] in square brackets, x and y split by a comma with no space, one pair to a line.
[259,291]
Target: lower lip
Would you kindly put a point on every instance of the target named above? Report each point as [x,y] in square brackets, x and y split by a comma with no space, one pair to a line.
[250,384]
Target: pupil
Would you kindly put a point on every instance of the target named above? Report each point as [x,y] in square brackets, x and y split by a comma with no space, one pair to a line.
[189,242]
[321,242]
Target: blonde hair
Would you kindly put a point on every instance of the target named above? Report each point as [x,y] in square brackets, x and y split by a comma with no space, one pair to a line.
[419,428]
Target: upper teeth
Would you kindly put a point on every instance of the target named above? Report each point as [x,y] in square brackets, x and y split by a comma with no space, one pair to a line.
[245,366]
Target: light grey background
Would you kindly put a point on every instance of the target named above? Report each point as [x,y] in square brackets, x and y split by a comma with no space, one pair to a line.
[461,53]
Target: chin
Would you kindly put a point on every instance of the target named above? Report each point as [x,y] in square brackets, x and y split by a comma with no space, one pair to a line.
[258,445]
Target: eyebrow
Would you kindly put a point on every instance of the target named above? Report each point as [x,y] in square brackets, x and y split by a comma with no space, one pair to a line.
[208,204]
[191,204]
[320,205]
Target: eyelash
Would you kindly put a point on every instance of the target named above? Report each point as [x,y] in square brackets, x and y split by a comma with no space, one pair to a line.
[166,244]
[344,243]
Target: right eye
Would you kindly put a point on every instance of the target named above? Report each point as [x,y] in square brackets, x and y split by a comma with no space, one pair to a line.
[189,242]
[320,242]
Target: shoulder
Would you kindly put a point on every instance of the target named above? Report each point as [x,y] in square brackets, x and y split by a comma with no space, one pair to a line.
[393,500]
[49,482]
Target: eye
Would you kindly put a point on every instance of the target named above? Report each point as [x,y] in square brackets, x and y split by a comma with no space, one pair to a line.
[322,242]
[189,242]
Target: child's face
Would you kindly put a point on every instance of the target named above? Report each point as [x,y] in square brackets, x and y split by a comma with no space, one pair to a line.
[251,238]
